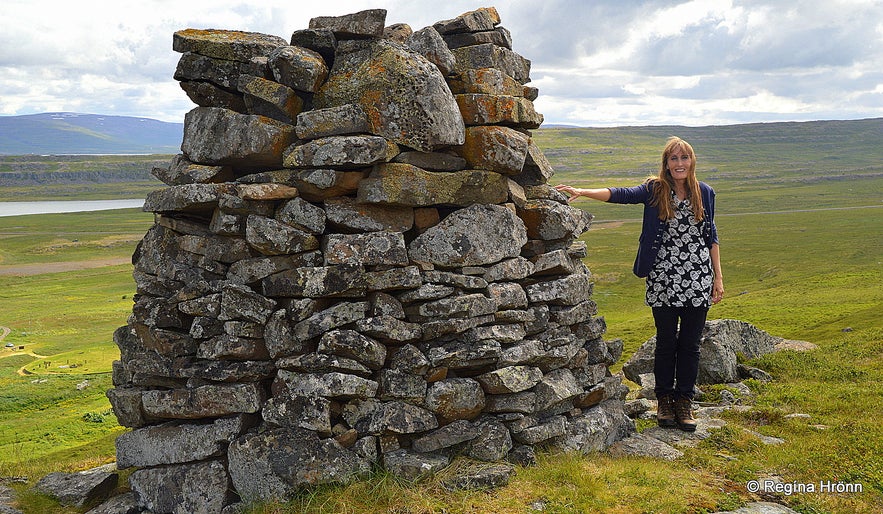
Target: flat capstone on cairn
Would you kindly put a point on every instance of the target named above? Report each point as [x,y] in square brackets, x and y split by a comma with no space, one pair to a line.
[357,261]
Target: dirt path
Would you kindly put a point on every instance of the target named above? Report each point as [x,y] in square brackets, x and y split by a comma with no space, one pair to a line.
[24,270]
[4,331]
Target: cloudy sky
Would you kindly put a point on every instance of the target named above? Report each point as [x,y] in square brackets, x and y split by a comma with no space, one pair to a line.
[596,62]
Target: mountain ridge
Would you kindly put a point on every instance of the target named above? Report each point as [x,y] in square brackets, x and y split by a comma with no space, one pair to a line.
[70,133]
[63,133]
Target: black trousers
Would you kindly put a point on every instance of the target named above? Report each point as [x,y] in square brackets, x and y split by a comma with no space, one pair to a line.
[676,363]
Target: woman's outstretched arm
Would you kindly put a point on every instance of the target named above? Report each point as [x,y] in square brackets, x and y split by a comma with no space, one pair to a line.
[594,194]
[717,291]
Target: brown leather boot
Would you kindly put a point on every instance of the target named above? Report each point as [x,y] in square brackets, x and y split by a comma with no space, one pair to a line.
[665,411]
[684,413]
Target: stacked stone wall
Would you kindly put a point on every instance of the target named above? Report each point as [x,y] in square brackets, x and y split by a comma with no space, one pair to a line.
[357,261]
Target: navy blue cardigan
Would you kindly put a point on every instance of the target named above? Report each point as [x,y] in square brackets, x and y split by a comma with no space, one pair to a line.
[653,227]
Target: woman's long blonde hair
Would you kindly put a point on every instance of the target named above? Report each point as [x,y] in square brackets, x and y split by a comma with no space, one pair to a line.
[663,183]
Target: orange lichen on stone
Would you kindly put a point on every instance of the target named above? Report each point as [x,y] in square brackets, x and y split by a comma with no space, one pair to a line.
[232,45]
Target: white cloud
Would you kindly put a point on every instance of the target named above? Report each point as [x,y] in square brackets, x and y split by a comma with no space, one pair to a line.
[605,62]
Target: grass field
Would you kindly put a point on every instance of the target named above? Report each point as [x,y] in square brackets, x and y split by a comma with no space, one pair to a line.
[802,251]
[53,407]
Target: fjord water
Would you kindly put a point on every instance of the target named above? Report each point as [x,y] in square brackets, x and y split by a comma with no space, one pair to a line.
[53,207]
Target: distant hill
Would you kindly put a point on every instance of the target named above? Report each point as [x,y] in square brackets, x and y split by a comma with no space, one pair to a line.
[74,133]
[778,152]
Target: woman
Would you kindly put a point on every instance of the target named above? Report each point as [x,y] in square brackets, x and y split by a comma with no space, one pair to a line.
[678,253]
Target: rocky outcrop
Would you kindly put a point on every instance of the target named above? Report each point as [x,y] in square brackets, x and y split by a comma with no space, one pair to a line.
[722,341]
[79,489]
[375,274]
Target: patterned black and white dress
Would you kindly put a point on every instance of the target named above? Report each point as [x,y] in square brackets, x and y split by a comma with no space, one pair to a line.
[682,275]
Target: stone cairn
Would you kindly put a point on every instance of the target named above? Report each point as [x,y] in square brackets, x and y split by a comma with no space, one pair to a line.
[357,261]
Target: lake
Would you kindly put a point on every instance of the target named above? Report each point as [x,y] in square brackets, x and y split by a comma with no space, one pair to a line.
[54,207]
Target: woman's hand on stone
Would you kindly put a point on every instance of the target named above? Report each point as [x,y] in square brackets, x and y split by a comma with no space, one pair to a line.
[573,192]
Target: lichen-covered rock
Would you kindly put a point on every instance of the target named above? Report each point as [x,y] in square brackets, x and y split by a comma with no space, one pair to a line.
[455,399]
[263,192]
[514,111]
[569,290]
[546,430]
[550,220]
[230,45]
[485,81]
[367,23]
[333,121]
[389,329]
[329,385]
[218,136]
[78,489]
[368,249]
[240,302]
[319,40]
[399,32]
[352,344]
[511,379]
[480,478]
[346,214]
[277,463]
[206,94]
[270,98]
[199,487]
[250,271]
[429,43]
[432,161]
[398,417]
[416,108]
[406,185]
[537,169]
[596,428]
[514,269]
[175,443]
[181,171]
[272,237]
[494,148]
[208,401]
[219,72]
[493,442]
[484,18]
[332,317]
[476,235]
[340,152]
[184,198]
[468,306]
[449,435]
[492,56]
[499,36]
[555,387]
[314,185]
[401,385]
[298,68]
[412,465]
[303,215]
[316,282]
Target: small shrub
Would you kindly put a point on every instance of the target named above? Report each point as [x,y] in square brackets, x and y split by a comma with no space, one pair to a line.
[731,501]
[93,417]
[764,416]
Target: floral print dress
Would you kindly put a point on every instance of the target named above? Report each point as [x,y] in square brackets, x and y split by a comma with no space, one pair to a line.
[682,275]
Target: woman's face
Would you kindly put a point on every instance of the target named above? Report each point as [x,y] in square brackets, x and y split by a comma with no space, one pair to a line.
[679,163]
